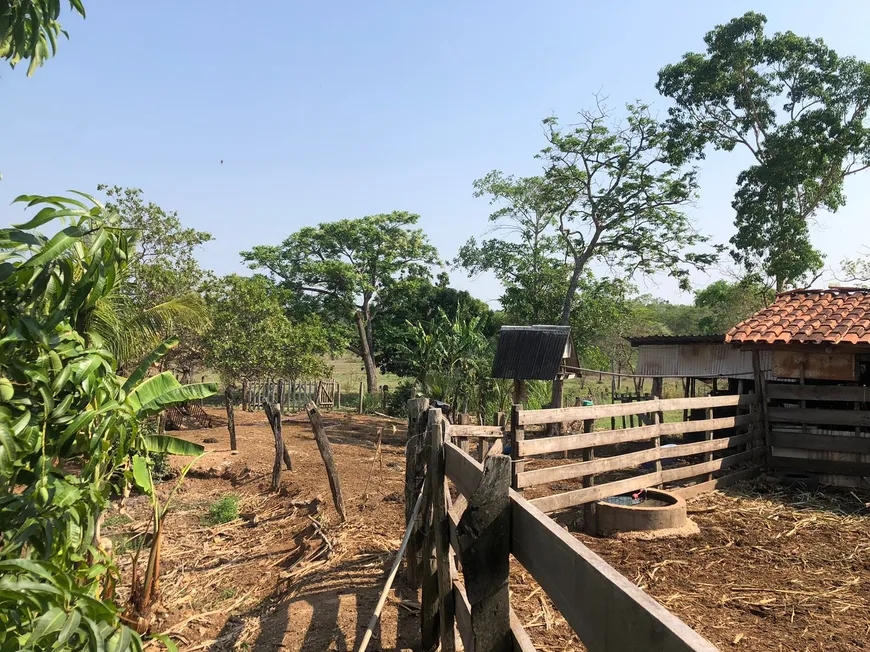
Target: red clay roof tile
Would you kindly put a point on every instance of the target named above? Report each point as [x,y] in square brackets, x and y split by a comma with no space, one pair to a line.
[822,316]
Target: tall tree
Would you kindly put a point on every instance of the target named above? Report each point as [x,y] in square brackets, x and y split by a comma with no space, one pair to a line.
[526,256]
[347,264]
[724,304]
[403,304]
[799,109]
[29,30]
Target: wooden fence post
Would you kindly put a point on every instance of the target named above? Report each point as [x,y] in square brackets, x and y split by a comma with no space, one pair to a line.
[273,414]
[245,395]
[430,636]
[231,418]
[360,397]
[590,514]
[484,534]
[708,436]
[328,461]
[761,392]
[337,396]
[418,409]
[439,539]
[518,434]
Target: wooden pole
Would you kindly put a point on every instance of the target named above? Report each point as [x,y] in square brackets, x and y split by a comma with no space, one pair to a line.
[761,392]
[360,397]
[392,576]
[518,434]
[418,409]
[245,395]
[231,417]
[484,535]
[337,396]
[590,513]
[328,461]
[708,435]
[438,533]
[273,414]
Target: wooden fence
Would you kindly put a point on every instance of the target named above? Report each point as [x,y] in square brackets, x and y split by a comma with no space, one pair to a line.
[296,394]
[823,430]
[479,531]
[727,441]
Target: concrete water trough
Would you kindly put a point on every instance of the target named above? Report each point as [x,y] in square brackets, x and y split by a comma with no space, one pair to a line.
[650,510]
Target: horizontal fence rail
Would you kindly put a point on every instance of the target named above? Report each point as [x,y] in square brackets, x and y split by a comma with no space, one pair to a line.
[606,610]
[738,438]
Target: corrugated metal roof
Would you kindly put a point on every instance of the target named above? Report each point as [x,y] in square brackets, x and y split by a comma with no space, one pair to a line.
[532,352]
[699,360]
[675,339]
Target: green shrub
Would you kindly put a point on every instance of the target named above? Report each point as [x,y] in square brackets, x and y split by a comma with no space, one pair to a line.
[397,399]
[223,511]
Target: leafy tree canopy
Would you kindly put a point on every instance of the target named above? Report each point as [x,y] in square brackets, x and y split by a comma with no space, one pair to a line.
[249,336]
[413,301]
[346,264]
[29,30]
[798,108]
[724,304]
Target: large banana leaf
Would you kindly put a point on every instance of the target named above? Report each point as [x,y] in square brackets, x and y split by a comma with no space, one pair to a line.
[172,445]
[142,370]
[181,394]
[148,390]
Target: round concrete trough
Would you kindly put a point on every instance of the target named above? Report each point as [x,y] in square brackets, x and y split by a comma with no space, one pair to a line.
[658,510]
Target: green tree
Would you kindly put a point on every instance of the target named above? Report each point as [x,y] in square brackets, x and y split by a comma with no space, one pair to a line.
[347,264]
[527,257]
[161,292]
[62,407]
[799,109]
[724,304]
[405,303]
[29,30]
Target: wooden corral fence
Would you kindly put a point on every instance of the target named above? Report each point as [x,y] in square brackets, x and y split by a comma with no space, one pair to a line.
[822,430]
[297,394]
[722,442]
[481,529]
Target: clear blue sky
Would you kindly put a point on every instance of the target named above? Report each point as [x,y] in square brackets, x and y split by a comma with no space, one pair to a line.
[326,110]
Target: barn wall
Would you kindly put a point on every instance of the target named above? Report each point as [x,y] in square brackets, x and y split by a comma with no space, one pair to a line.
[697,360]
[817,366]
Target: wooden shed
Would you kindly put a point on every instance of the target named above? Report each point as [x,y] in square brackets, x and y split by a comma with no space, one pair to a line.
[818,400]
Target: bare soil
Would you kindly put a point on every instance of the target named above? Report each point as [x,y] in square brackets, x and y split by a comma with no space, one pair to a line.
[771,569]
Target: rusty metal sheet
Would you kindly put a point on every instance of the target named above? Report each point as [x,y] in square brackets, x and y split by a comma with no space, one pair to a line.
[817,366]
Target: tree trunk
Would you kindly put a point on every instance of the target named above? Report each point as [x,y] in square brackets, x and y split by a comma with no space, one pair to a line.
[231,419]
[367,356]
[328,461]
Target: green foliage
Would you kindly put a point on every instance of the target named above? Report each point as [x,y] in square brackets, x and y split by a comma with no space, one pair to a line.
[725,304]
[397,399]
[798,108]
[418,301]
[529,259]
[161,291]
[619,199]
[67,409]
[224,510]
[337,270]
[29,30]
[249,335]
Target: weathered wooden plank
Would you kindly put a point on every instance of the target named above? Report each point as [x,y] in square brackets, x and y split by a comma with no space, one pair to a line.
[484,533]
[518,435]
[718,483]
[490,432]
[819,417]
[581,496]
[560,415]
[519,636]
[821,466]
[628,460]
[463,616]
[606,610]
[440,531]
[531,447]
[683,472]
[838,443]
[843,393]
[703,425]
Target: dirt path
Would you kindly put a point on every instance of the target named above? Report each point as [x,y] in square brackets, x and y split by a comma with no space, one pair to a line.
[286,575]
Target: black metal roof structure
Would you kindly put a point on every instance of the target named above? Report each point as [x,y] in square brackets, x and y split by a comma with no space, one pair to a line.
[676,339]
[533,352]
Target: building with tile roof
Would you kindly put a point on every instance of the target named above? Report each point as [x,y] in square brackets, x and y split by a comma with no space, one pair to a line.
[812,334]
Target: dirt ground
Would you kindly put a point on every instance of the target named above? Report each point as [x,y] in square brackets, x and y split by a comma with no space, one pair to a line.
[771,569]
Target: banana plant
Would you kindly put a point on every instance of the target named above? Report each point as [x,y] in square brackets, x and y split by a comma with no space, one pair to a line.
[69,427]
